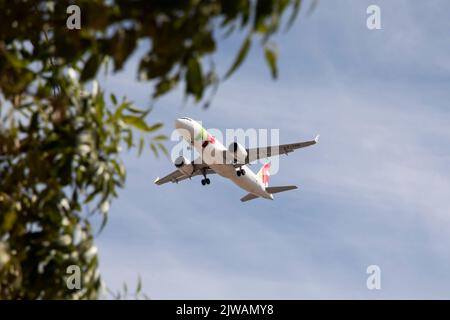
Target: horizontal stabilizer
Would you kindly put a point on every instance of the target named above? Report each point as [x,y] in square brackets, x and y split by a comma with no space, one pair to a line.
[280,189]
[248,197]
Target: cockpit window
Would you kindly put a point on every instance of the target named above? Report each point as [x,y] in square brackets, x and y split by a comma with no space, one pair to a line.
[188,119]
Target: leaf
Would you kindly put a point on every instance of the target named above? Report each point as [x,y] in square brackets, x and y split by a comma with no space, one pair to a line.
[163,149]
[90,68]
[8,221]
[165,85]
[154,150]
[312,6]
[91,196]
[113,98]
[133,109]
[14,60]
[141,145]
[243,51]
[136,122]
[154,127]
[139,285]
[104,222]
[120,169]
[271,59]
[263,10]
[229,31]
[120,109]
[295,11]
[129,138]
[194,78]
[161,137]
[124,42]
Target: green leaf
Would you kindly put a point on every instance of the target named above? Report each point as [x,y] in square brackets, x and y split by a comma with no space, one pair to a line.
[271,59]
[165,85]
[104,222]
[113,98]
[154,150]
[128,138]
[194,78]
[141,145]
[120,109]
[14,60]
[163,149]
[243,51]
[295,11]
[154,127]
[161,137]
[8,221]
[263,10]
[119,167]
[139,285]
[133,109]
[90,68]
[136,122]
[91,196]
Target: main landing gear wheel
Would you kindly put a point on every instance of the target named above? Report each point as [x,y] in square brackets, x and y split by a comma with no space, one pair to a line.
[240,172]
[206,180]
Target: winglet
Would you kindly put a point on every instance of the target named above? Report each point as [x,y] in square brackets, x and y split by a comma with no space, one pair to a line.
[316,139]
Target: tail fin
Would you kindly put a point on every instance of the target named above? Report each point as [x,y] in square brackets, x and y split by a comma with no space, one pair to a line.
[264,173]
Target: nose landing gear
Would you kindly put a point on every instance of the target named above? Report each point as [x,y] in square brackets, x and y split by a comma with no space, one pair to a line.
[240,172]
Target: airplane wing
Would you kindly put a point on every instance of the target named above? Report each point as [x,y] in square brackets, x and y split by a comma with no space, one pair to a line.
[177,176]
[254,154]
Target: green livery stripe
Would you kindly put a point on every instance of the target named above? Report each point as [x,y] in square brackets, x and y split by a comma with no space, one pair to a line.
[202,135]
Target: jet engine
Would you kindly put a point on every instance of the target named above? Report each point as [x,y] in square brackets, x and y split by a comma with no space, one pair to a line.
[239,153]
[184,165]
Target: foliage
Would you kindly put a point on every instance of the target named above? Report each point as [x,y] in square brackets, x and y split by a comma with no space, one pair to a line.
[57,168]
[125,294]
[60,145]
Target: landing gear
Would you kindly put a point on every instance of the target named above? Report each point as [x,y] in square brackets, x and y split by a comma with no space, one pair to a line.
[206,180]
[240,172]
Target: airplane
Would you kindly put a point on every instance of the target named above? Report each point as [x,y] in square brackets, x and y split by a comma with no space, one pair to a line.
[231,163]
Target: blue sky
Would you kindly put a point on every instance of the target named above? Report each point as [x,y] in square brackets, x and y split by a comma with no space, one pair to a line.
[375,190]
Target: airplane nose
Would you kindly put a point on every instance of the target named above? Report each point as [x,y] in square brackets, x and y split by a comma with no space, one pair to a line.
[184,127]
[179,123]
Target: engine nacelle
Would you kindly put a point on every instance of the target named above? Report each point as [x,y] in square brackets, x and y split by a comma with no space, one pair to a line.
[239,153]
[184,165]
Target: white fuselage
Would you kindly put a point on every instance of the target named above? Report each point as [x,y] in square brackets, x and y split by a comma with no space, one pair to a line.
[190,130]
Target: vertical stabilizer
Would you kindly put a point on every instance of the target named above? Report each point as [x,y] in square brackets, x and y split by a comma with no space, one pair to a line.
[264,173]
